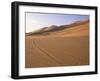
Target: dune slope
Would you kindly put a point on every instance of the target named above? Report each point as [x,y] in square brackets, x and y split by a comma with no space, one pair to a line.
[66,46]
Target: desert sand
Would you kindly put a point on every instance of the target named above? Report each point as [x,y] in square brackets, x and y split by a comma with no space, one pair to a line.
[53,46]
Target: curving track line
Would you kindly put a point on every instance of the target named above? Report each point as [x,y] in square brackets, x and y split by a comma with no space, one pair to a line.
[46,53]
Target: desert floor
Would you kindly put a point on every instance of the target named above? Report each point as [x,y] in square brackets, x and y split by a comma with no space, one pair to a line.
[56,51]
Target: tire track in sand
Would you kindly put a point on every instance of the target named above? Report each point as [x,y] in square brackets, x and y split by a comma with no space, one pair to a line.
[46,53]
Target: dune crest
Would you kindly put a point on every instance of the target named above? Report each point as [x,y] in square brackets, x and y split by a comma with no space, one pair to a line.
[76,28]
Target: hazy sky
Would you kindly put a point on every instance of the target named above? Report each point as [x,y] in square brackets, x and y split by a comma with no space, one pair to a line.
[35,21]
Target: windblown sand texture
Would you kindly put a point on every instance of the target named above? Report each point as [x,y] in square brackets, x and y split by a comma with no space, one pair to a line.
[66,45]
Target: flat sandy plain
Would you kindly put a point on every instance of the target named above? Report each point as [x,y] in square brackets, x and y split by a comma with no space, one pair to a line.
[65,47]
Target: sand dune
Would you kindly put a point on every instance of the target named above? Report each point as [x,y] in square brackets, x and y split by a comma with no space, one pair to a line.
[75,27]
[67,45]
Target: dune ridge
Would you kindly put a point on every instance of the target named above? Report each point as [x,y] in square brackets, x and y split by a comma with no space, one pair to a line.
[53,29]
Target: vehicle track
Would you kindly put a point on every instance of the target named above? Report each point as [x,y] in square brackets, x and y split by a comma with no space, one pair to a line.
[46,53]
